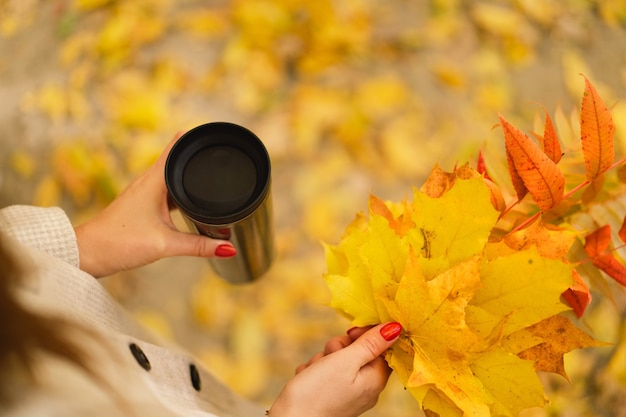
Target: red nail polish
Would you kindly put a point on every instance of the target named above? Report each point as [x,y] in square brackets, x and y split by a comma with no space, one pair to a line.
[225,251]
[390,331]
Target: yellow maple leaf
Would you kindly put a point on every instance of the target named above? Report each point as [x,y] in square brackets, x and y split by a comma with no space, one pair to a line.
[477,315]
[440,358]
[511,381]
[372,254]
[453,360]
[524,287]
[453,227]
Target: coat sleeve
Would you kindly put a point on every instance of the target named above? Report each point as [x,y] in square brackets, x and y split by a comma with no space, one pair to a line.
[47,229]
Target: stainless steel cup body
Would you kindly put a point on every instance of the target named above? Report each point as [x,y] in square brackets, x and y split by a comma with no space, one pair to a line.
[219,176]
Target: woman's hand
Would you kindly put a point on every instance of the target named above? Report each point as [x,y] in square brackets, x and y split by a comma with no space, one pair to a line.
[344,380]
[136,229]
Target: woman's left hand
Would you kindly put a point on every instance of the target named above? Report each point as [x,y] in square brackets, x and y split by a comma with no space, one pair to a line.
[137,229]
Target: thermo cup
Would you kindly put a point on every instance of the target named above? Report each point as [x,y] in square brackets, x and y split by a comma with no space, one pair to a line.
[219,176]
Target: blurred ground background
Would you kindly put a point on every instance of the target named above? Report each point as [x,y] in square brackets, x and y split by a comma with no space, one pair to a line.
[349,96]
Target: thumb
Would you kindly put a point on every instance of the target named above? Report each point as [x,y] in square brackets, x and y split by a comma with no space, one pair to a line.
[374,342]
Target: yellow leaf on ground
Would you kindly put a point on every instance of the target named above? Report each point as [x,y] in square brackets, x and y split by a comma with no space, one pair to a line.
[381,96]
[155,321]
[23,163]
[47,193]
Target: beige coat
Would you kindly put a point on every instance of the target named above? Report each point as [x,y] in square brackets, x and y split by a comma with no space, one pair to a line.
[144,376]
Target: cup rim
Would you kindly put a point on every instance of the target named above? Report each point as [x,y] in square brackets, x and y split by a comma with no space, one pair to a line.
[217,134]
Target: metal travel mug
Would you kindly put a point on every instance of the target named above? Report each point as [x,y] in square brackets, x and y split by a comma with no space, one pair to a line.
[219,176]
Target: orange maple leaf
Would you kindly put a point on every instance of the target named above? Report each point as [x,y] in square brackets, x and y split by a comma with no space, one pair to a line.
[559,337]
[596,130]
[538,173]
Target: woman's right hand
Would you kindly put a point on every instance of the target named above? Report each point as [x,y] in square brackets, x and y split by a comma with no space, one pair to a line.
[344,380]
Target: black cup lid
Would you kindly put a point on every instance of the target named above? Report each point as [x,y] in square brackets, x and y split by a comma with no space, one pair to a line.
[218,173]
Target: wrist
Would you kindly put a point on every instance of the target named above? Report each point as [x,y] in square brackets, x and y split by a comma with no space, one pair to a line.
[87,252]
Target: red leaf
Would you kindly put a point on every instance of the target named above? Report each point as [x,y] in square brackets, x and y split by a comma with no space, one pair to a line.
[480,165]
[597,242]
[597,130]
[612,267]
[540,175]
[622,231]
[578,295]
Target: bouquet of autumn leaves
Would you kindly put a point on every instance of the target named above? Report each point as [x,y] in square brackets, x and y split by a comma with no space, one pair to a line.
[480,287]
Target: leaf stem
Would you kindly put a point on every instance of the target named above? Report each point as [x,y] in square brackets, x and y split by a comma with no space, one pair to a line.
[575,189]
[509,208]
[618,163]
[526,222]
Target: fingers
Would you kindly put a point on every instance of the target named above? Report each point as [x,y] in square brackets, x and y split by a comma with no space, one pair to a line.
[377,373]
[355,332]
[311,361]
[191,244]
[336,343]
[333,345]
[371,343]
[374,342]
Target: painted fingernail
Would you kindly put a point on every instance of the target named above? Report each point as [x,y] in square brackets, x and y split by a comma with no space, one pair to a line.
[225,251]
[390,331]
